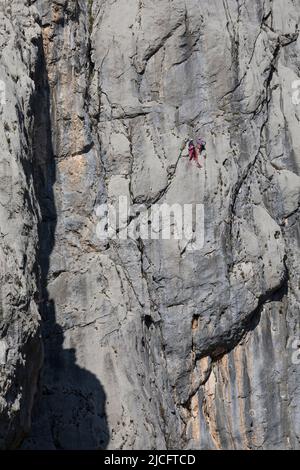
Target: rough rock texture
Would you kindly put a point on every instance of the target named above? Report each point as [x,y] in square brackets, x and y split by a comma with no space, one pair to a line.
[148,344]
[20,342]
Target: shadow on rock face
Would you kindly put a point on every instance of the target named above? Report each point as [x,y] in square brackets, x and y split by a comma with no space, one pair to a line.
[69,410]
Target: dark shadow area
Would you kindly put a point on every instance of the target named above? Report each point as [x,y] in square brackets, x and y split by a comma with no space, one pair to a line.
[69,410]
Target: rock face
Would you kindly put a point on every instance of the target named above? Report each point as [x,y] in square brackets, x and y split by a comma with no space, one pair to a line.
[20,342]
[150,343]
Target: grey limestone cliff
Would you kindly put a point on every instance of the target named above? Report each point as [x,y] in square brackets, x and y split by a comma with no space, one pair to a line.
[146,343]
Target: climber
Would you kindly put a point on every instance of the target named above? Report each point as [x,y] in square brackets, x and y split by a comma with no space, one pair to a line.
[201,146]
[193,153]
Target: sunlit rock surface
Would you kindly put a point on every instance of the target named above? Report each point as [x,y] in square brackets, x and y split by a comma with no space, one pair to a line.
[149,343]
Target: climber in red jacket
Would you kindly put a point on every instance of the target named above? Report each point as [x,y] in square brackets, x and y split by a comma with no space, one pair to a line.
[193,153]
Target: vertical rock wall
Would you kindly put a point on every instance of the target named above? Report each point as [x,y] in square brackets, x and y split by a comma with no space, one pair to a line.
[149,344]
[20,342]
